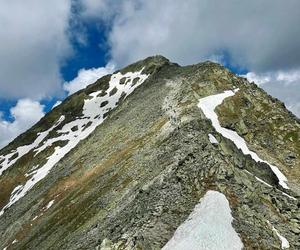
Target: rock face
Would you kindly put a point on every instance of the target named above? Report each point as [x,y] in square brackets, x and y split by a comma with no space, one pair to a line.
[123,163]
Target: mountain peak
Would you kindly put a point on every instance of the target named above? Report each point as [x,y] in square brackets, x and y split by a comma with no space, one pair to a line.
[156,156]
[149,64]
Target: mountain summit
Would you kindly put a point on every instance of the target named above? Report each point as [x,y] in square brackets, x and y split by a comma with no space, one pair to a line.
[156,156]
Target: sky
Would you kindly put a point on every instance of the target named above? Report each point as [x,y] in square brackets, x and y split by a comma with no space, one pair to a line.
[51,49]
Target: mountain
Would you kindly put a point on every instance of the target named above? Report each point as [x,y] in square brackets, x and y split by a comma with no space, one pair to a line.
[156,156]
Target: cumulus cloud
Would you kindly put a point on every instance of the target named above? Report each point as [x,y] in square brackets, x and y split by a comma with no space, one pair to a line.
[103,9]
[86,77]
[56,104]
[33,43]
[26,113]
[284,85]
[257,35]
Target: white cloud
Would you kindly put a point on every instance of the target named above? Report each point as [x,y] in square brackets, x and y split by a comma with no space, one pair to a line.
[56,104]
[33,43]
[258,79]
[284,85]
[104,9]
[258,35]
[26,113]
[86,77]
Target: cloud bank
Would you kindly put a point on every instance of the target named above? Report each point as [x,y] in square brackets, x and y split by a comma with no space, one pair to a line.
[257,35]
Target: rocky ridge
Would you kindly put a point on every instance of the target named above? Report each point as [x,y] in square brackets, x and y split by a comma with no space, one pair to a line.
[140,172]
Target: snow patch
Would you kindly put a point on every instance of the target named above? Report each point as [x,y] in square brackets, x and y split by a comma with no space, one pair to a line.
[268,185]
[212,139]
[34,218]
[92,116]
[49,204]
[208,105]
[208,227]
[260,180]
[23,150]
[289,196]
[284,242]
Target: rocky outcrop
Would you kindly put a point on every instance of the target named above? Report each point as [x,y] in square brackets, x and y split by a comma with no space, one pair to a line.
[137,177]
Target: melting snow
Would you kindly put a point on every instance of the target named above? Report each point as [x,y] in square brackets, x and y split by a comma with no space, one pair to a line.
[289,196]
[284,242]
[14,242]
[93,112]
[268,185]
[212,139]
[208,105]
[208,227]
[23,150]
[49,204]
[260,180]
[35,217]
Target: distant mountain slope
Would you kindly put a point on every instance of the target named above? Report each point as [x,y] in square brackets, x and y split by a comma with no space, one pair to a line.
[139,158]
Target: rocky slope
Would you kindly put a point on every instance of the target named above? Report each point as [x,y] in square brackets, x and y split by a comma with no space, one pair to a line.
[137,161]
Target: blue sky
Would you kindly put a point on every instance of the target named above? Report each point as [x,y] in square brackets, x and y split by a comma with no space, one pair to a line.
[52,49]
[93,54]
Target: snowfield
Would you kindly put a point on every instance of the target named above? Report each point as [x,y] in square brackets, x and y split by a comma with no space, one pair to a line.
[94,111]
[208,105]
[23,150]
[208,227]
